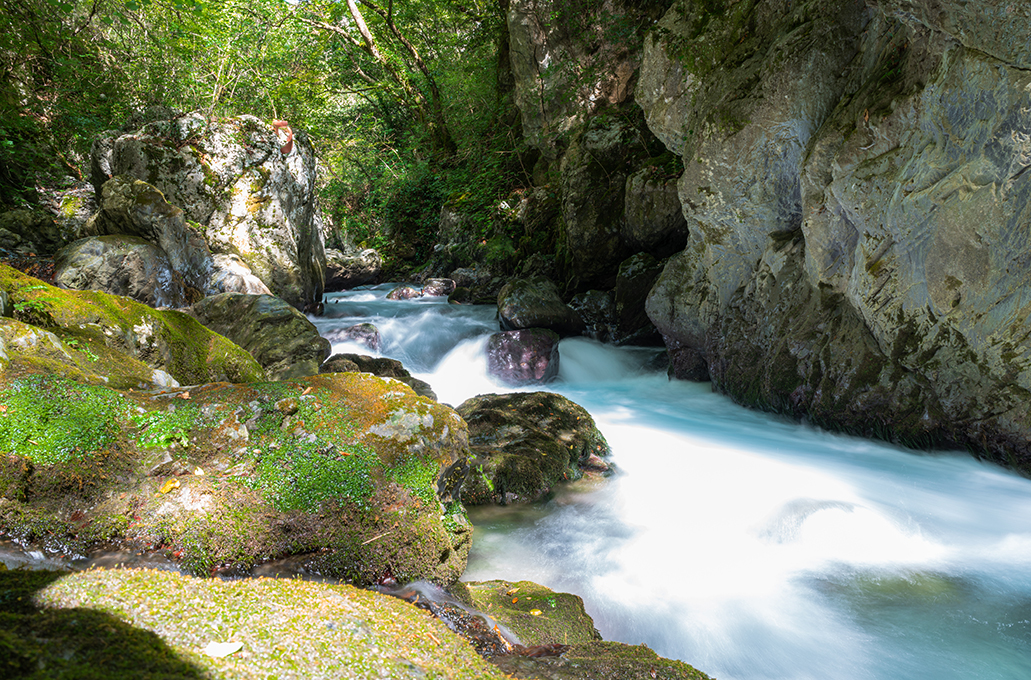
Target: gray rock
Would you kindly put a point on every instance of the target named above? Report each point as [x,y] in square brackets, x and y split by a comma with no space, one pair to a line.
[230,274]
[597,308]
[405,293]
[438,287]
[347,271]
[31,229]
[120,265]
[524,357]
[653,220]
[231,178]
[279,337]
[535,303]
[364,333]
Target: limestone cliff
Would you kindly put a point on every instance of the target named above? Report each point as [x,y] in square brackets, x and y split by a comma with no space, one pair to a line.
[857,201]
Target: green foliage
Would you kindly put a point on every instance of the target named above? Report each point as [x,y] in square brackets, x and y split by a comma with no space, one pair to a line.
[161,428]
[51,420]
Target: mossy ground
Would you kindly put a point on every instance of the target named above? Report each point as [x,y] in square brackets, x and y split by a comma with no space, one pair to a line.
[139,623]
[343,466]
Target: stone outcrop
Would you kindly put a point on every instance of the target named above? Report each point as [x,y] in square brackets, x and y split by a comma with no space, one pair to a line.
[232,179]
[856,196]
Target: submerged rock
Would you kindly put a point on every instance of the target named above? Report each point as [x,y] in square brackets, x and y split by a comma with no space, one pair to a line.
[523,357]
[525,444]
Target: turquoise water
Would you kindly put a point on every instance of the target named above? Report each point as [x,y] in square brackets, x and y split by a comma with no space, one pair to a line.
[747,545]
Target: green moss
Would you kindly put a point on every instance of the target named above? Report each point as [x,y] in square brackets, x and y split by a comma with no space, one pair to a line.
[51,420]
[161,428]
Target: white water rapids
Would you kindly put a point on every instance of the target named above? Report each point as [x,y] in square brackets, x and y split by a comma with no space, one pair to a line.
[751,547]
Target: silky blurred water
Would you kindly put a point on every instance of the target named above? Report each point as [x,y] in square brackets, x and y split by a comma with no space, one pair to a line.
[747,545]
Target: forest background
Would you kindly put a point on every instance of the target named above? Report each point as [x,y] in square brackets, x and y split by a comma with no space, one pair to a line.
[409,104]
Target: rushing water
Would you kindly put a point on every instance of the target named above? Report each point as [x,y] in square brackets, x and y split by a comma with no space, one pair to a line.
[744,544]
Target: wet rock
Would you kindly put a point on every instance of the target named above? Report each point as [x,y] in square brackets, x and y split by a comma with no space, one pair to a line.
[364,333]
[523,357]
[379,366]
[344,272]
[438,287]
[525,444]
[278,336]
[404,293]
[598,311]
[232,275]
[535,303]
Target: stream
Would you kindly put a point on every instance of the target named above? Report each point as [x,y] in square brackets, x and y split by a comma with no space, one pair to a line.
[747,545]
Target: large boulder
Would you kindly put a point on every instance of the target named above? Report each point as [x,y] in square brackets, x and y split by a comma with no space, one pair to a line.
[279,337]
[93,337]
[653,220]
[535,303]
[234,179]
[525,444]
[32,231]
[121,265]
[347,271]
[232,275]
[523,357]
[855,187]
[356,473]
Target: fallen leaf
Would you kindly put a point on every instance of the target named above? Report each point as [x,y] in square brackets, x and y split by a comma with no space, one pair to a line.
[184,395]
[198,472]
[169,485]
[221,649]
[536,612]
[306,391]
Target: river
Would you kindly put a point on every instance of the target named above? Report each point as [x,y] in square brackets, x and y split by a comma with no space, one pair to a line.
[748,545]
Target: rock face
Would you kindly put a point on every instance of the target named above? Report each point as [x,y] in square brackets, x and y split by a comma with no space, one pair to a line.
[231,178]
[279,337]
[347,271]
[525,444]
[854,189]
[535,303]
[568,61]
[523,357]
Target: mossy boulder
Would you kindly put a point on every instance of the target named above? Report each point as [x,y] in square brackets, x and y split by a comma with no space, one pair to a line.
[278,336]
[525,444]
[112,340]
[542,617]
[131,623]
[358,472]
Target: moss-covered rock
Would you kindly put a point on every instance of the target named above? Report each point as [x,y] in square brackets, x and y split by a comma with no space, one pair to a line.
[525,444]
[357,471]
[378,366]
[541,617]
[279,337]
[110,339]
[138,623]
